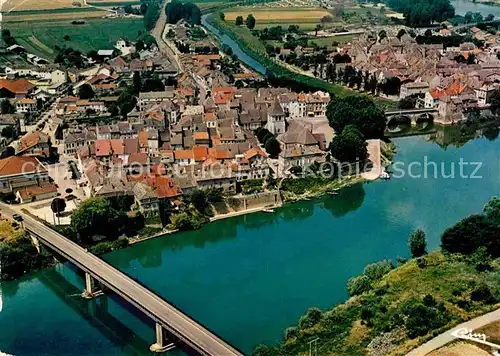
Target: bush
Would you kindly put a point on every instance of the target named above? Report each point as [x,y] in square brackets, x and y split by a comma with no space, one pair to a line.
[311,318]
[421,262]
[291,332]
[358,285]
[482,293]
[377,270]
[417,243]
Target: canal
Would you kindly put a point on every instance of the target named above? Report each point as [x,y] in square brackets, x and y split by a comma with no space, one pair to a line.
[249,277]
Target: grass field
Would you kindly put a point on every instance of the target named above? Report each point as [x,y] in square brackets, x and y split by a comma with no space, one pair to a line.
[40,38]
[58,14]
[20,5]
[113,2]
[306,18]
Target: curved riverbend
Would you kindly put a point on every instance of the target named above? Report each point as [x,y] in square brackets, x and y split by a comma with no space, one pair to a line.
[240,53]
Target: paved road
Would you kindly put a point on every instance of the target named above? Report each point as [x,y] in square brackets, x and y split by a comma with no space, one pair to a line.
[158,32]
[446,337]
[189,331]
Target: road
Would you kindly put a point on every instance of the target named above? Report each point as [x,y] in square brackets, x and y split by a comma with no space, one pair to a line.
[446,337]
[173,320]
[158,32]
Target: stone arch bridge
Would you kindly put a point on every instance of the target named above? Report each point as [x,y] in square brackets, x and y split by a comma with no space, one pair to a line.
[410,116]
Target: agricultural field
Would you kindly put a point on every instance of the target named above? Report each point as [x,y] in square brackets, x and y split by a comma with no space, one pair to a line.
[28,5]
[306,18]
[56,14]
[41,37]
[113,3]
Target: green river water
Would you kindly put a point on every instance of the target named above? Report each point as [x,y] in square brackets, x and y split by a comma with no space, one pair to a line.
[249,277]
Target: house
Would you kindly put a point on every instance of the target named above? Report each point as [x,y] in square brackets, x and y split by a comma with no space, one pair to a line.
[409,89]
[17,173]
[18,89]
[36,193]
[146,98]
[26,105]
[251,165]
[34,144]
[11,120]
[298,156]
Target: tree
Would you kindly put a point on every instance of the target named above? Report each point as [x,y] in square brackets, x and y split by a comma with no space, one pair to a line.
[58,205]
[86,92]
[8,132]
[408,102]
[357,110]
[66,38]
[401,33]
[469,234]
[272,147]
[126,102]
[417,243]
[317,28]
[9,151]
[490,17]
[198,198]
[358,285]
[349,146]
[6,107]
[137,82]
[96,216]
[238,21]
[381,35]
[495,100]
[428,32]
[250,22]
[222,16]
[492,210]
[468,17]
[377,270]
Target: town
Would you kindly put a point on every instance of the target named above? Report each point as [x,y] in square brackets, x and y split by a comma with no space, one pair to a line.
[195,129]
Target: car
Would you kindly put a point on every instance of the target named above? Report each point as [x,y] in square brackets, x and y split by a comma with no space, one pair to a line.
[17,217]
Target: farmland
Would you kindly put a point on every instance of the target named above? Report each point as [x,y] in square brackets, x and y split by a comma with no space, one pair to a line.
[307,18]
[41,37]
[19,5]
[56,14]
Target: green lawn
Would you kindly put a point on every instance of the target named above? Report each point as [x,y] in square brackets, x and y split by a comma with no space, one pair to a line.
[41,37]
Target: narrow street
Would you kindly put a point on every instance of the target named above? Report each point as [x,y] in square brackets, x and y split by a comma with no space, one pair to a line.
[158,33]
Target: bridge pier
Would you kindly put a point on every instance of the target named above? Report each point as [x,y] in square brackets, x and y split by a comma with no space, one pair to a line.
[162,344]
[90,289]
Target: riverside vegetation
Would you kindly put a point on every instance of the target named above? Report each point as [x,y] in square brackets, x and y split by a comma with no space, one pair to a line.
[392,310]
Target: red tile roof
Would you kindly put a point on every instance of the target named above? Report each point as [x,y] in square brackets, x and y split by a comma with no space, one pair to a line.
[19,86]
[20,165]
[30,192]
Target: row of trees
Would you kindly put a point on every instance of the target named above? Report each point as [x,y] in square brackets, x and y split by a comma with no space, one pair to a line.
[359,111]
[270,143]
[177,10]
[423,12]
[249,22]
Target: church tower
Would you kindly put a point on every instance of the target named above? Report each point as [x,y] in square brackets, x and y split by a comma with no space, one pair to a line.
[276,119]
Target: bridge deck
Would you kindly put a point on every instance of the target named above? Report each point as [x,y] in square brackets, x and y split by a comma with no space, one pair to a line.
[188,330]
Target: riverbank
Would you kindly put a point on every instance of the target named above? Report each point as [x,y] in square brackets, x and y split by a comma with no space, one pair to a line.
[253,48]
[394,310]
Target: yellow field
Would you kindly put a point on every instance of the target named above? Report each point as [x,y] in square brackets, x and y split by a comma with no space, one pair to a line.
[277,15]
[23,5]
[13,17]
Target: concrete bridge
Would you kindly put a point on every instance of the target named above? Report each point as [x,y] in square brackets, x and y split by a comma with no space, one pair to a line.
[170,321]
[411,116]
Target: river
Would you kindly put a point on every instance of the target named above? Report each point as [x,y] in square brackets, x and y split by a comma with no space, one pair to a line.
[464,6]
[249,277]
